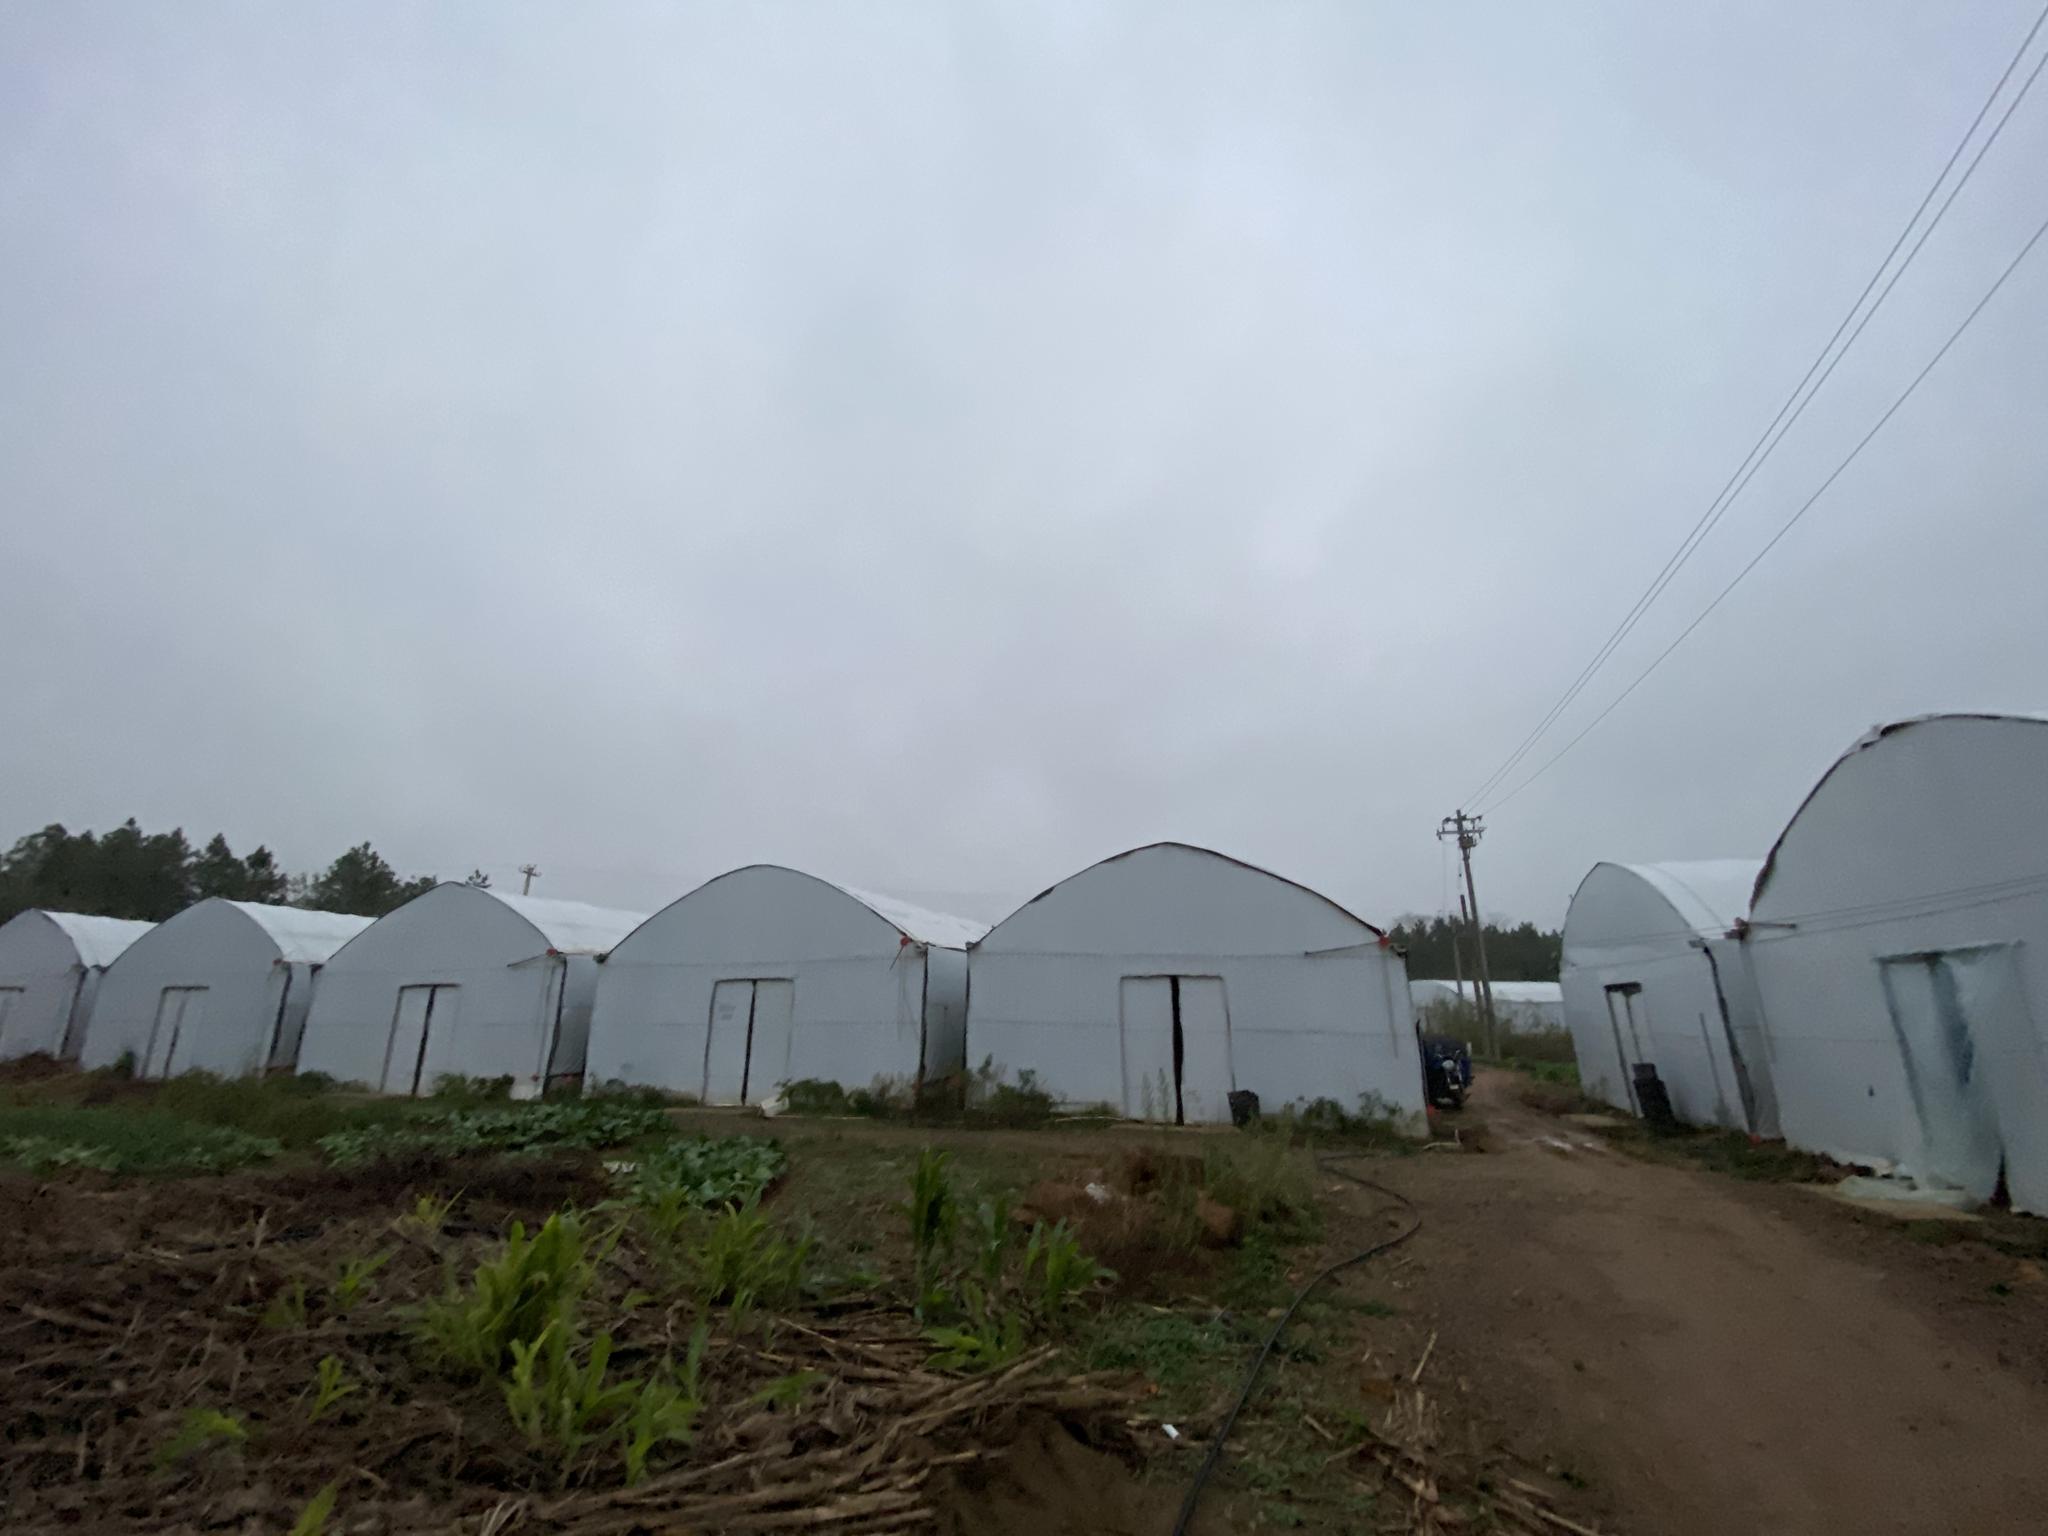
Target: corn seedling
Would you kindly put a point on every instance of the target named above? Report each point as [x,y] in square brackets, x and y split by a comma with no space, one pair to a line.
[202,1428]
[330,1386]
[557,1403]
[531,1285]
[428,1215]
[1056,1270]
[992,1238]
[287,1309]
[787,1391]
[563,1405]
[741,1262]
[665,1209]
[355,1278]
[312,1519]
[664,1413]
[934,1215]
[994,1339]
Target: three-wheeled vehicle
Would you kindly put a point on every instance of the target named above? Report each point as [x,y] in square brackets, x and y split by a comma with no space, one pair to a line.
[1446,1070]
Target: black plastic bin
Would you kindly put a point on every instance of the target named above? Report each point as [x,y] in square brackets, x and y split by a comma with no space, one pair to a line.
[1653,1099]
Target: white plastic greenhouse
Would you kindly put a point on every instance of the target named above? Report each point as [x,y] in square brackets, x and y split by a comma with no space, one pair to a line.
[1652,976]
[464,980]
[1161,980]
[1899,937]
[50,968]
[222,987]
[767,975]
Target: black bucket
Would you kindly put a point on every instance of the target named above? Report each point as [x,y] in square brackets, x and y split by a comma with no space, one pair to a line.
[1653,1098]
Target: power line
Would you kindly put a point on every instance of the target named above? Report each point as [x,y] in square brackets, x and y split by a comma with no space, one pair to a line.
[1819,919]
[1954,336]
[1794,406]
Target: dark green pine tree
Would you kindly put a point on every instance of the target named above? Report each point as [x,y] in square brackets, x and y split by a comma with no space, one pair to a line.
[360,881]
[262,880]
[218,872]
[143,875]
[1521,953]
[46,864]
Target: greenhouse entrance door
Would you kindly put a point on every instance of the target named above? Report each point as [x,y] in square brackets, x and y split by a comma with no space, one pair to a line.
[1176,1049]
[1971,1057]
[178,1010]
[746,1051]
[1624,1000]
[405,1051]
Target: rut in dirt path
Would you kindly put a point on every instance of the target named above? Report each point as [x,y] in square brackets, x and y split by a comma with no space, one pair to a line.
[1712,1363]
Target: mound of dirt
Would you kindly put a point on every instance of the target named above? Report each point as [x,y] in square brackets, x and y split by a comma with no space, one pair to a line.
[1146,1216]
[1053,1480]
[32,1068]
[1146,1170]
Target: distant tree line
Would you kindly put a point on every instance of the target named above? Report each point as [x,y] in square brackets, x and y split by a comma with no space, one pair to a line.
[1521,953]
[154,875]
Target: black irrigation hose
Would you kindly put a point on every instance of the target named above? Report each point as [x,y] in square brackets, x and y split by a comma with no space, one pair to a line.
[1251,1380]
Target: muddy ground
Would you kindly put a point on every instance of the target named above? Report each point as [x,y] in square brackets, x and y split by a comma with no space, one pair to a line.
[1709,1356]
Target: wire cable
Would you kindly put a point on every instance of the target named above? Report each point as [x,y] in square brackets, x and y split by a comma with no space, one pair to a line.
[1757,559]
[1325,1164]
[1794,405]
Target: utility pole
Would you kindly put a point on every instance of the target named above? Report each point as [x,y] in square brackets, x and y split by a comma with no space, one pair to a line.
[532,874]
[1457,952]
[1468,830]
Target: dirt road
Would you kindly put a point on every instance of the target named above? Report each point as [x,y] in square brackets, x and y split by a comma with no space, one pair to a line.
[1716,1357]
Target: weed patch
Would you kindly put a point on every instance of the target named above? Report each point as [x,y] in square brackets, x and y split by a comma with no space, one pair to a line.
[456,1088]
[1175,1350]
[1375,1124]
[1724,1151]
[55,1139]
[992,1101]
[979,1098]
[1557,1098]
[882,1099]
[1268,1180]
[582,1124]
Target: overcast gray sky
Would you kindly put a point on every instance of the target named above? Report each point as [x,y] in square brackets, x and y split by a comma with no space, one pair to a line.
[942,445]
